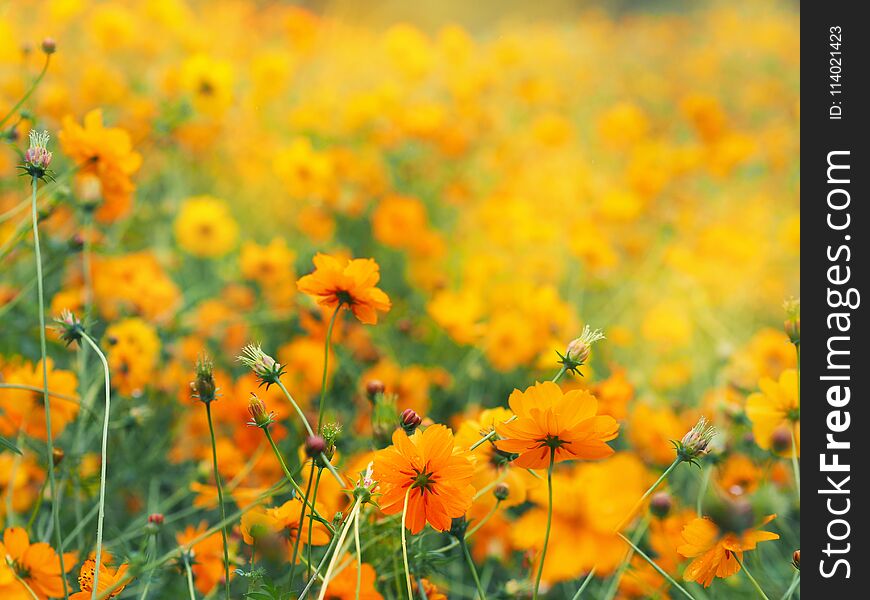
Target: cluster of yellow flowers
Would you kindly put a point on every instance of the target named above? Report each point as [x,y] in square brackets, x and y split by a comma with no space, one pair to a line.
[411,222]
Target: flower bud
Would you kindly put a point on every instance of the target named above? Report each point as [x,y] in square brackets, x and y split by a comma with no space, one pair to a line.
[374,387]
[792,324]
[410,420]
[266,368]
[660,504]
[314,446]
[156,518]
[501,491]
[696,442]
[69,327]
[796,559]
[57,455]
[260,417]
[578,351]
[37,157]
[780,440]
[203,386]
[49,46]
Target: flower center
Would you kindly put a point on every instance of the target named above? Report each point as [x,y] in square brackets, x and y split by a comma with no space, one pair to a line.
[552,441]
[422,480]
[344,297]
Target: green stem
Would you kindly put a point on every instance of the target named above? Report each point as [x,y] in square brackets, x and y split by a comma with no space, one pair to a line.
[795,582]
[358,558]
[326,345]
[702,491]
[751,578]
[405,545]
[585,584]
[473,570]
[27,94]
[647,493]
[614,583]
[795,464]
[35,508]
[103,458]
[354,513]
[311,521]
[49,443]
[483,521]
[292,481]
[549,522]
[655,566]
[190,589]
[299,527]
[217,480]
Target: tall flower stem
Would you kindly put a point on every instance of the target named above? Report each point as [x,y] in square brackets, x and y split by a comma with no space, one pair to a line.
[27,94]
[549,522]
[326,345]
[299,528]
[358,558]
[217,481]
[292,481]
[405,544]
[655,566]
[589,577]
[311,521]
[190,589]
[104,456]
[354,514]
[646,494]
[751,578]
[483,521]
[49,443]
[473,569]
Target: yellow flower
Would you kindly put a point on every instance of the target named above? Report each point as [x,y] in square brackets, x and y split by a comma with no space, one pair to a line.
[133,349]
[204,227]
[775,412]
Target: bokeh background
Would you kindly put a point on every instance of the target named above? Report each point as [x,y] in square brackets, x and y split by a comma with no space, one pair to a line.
[517,170]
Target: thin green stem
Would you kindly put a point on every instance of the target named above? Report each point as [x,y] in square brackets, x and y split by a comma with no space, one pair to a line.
[326,555]
[217,481]
[292,481]
[702,490]
[646,494]
[405,544]
[614,582]
[326,345]
[103,458]
[299,528]
[549,522]
[584,585]
[37,507]
[49,443]
[655,566]
[483,521]
[795,582]
[358,557]
[27,94]
[311,521]
[190,589]
[296,408]
[354,513]
[470,562]
[751,578]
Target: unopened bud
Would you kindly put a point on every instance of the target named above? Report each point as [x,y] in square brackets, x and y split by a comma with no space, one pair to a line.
[260,417]
[732,515]
[780,439]
[266,368]
[203,386]
[374,387]
[660,504]
[314,446]
[49,46]
[156,518]
[410,420]
[696,441]
[796,559]
[792,324]
[501,491]
[57,455]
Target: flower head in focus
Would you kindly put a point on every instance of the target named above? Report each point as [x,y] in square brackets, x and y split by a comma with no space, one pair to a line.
[352,283]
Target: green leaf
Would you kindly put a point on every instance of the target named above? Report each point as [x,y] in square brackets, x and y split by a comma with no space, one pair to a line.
[7,445]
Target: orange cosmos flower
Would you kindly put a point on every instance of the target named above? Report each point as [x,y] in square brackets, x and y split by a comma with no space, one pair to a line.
[29,569]
[108,578]
[716,554]
[549,420]
[106,160]
[345,282]
[343,585]
[439,479]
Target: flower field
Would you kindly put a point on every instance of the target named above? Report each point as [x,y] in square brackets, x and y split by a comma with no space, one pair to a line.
[310,303]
